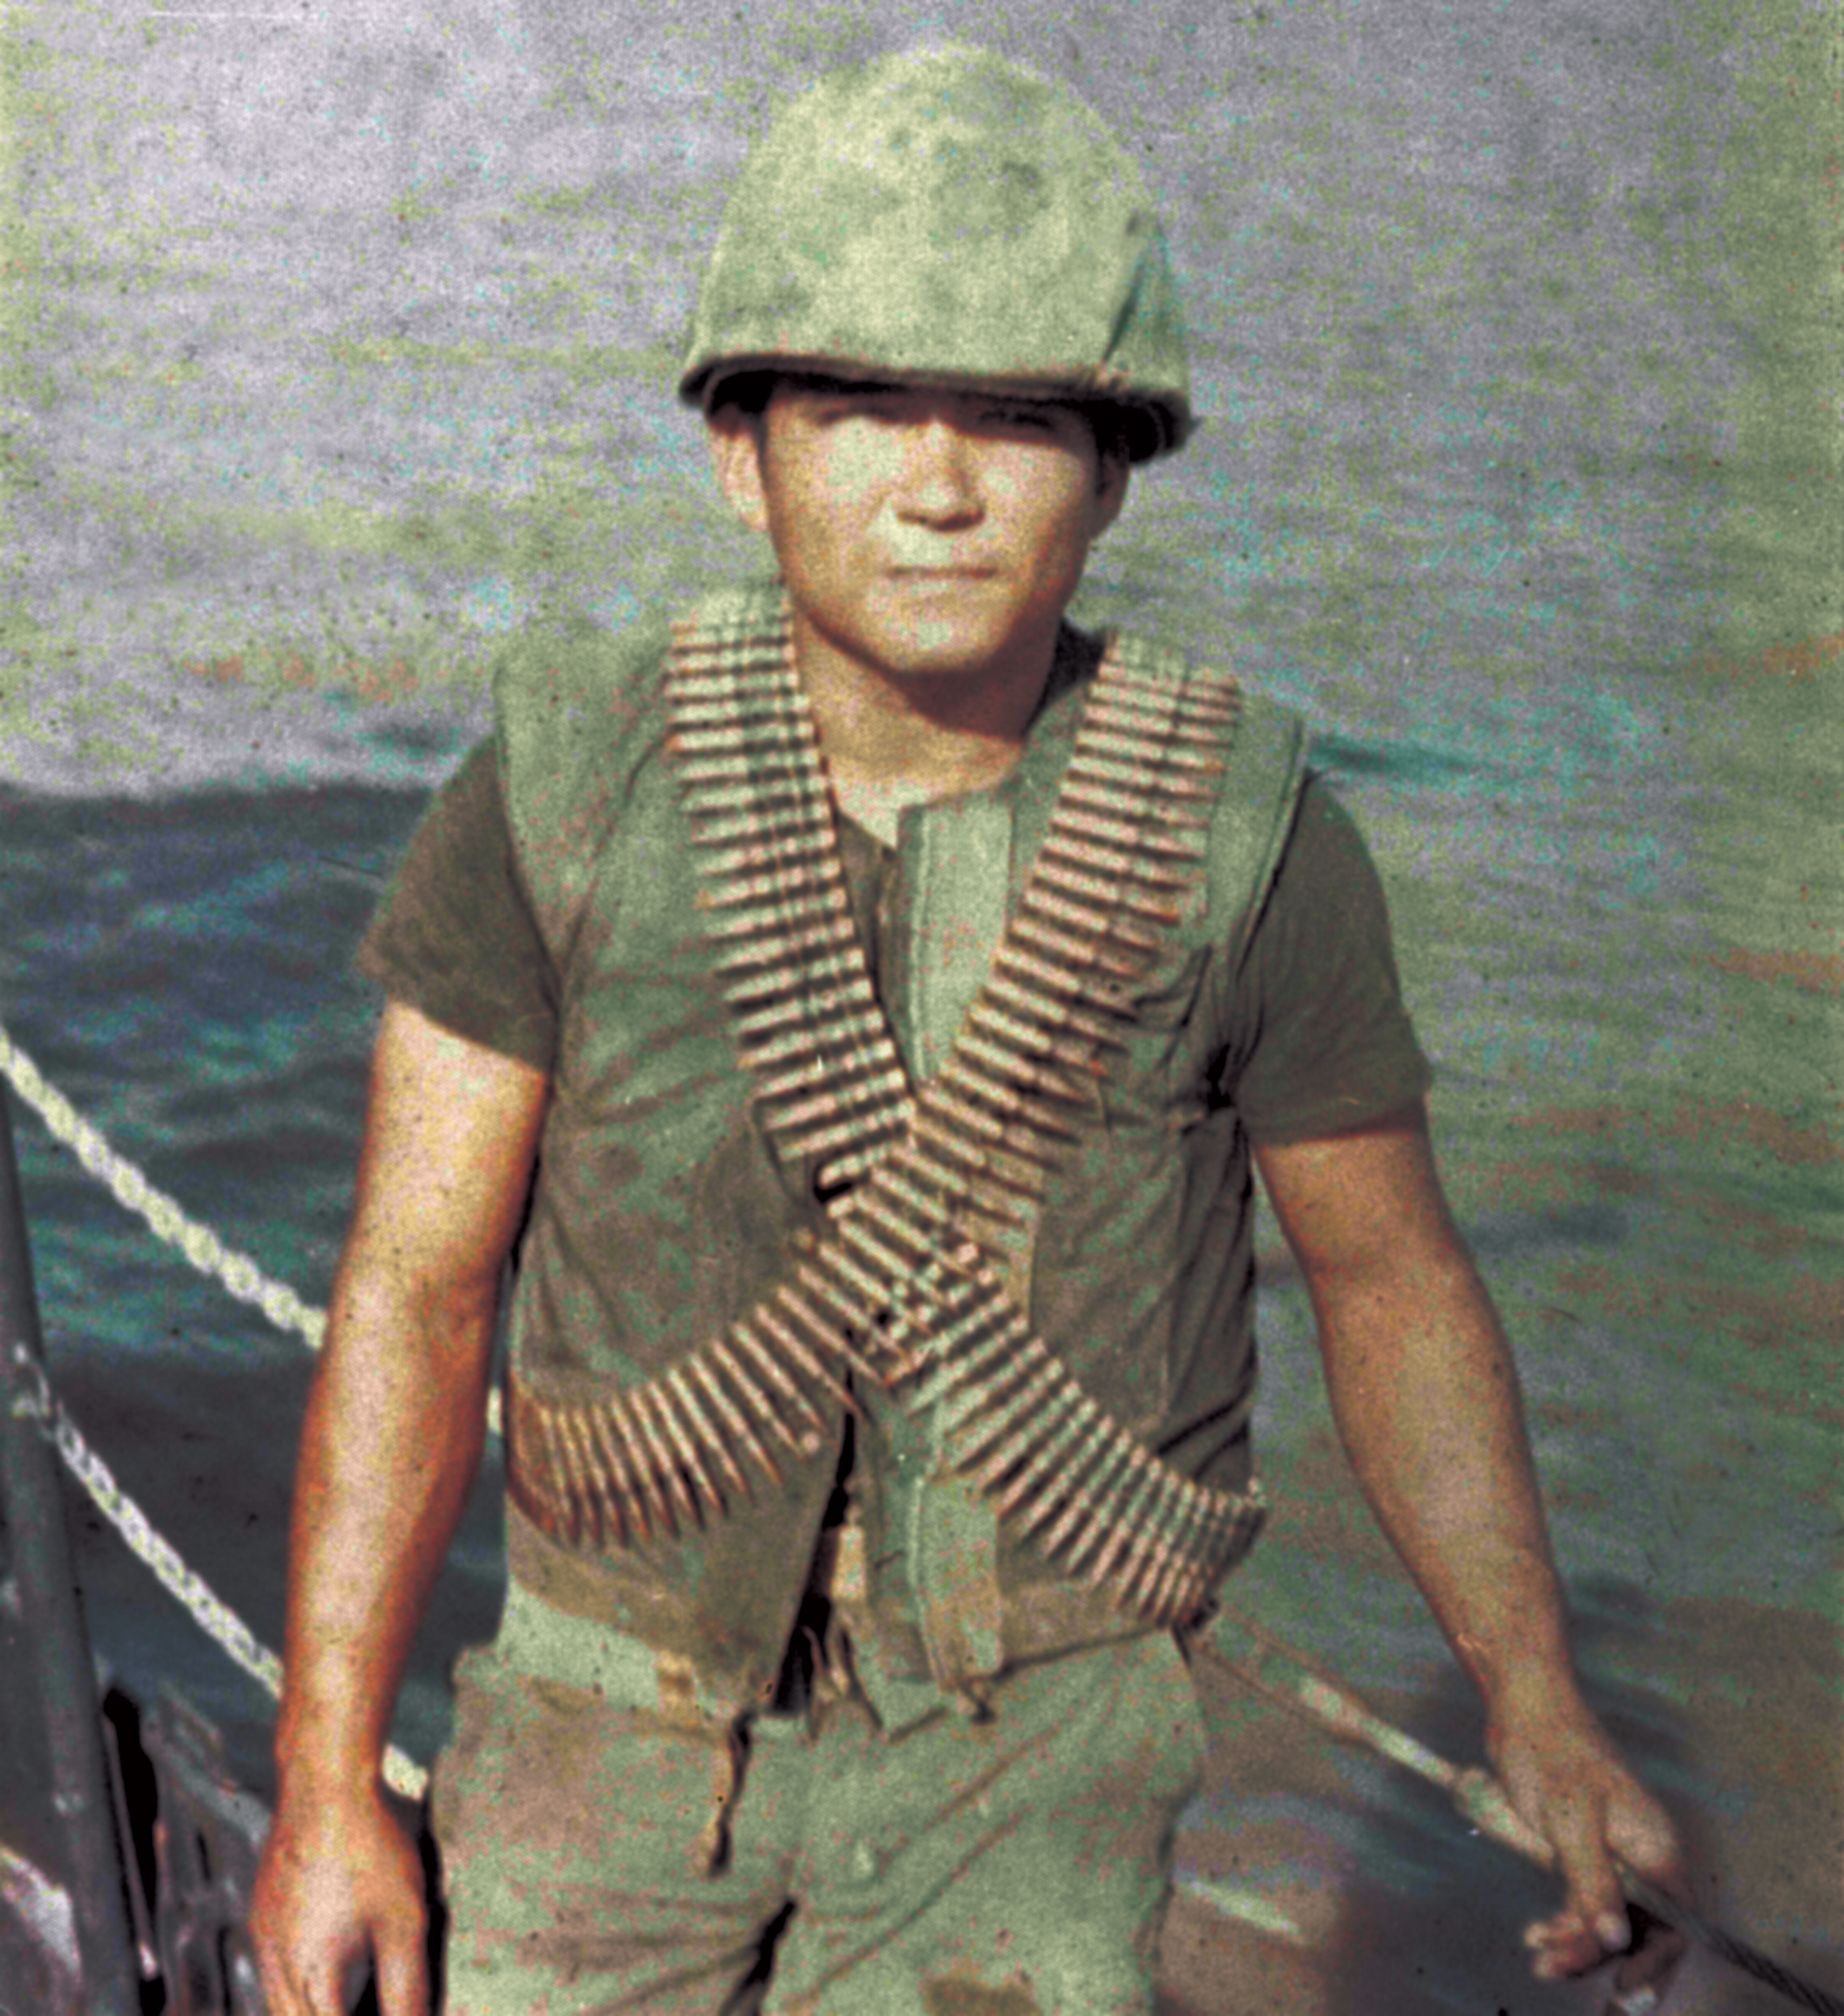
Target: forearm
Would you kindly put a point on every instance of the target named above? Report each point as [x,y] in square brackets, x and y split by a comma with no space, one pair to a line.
[1425,1395]
[390,1449]
[1426,1399]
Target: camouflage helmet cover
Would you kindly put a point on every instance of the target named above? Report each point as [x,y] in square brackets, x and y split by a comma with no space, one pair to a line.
[944,216]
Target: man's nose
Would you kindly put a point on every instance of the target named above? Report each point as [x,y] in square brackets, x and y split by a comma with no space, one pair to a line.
[939,483]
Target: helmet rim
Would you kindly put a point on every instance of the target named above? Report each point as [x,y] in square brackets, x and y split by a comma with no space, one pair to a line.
[1154,425]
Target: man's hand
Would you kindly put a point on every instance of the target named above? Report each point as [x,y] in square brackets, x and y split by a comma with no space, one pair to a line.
[1426,1398]
[390,1447]
[339,1879]
[1561,1772]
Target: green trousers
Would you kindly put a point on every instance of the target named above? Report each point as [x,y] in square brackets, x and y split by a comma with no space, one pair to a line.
[608,1845]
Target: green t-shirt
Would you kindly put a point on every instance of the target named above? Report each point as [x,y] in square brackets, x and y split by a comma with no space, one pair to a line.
[1307,1036]
[1320,1040]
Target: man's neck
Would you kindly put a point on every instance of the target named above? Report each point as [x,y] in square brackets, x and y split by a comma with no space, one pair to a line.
[890,743]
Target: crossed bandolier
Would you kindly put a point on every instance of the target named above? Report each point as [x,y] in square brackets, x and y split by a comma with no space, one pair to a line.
[931,1193]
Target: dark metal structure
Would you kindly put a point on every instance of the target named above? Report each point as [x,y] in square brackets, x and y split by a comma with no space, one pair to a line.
[207,1841]
[53,1687]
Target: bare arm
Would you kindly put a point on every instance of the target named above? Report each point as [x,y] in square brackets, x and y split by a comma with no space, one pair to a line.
[1425,1396]
[389,1451]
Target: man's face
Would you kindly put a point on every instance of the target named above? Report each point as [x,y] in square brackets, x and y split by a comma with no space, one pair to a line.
[923,533]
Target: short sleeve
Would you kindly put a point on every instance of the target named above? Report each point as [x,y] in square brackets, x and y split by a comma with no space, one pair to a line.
[1322,1041]
[455,937]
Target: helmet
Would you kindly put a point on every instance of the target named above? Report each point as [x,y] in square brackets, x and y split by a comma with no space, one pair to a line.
[945,217]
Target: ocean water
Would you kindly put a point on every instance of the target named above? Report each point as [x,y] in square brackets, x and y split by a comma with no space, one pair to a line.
[343,343]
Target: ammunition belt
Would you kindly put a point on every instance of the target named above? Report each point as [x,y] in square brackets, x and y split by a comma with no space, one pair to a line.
[898,1292]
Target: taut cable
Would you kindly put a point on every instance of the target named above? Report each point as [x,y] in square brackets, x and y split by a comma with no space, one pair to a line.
[1276,1670]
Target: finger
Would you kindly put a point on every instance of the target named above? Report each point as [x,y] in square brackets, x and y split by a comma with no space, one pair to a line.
[1656,1952]
[269,1979]
[1562,1945]
[1594,1896]
[1644,1991]
[310,1992]
[1641,1831]
[278,1997]
[278,1992]
[1639,1983]
[403,1974]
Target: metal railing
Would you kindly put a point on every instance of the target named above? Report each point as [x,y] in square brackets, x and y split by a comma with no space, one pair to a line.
[56,1644]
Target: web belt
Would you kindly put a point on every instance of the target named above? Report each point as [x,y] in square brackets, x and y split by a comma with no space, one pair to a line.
[899,1290]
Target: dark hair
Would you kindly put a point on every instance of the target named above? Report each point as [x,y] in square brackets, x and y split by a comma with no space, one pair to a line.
[1119,429]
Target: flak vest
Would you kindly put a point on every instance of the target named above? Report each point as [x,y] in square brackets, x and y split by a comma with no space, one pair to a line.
[1014,1204]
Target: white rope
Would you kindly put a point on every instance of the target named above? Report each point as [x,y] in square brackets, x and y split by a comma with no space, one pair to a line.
[213,1616]
[236,1272]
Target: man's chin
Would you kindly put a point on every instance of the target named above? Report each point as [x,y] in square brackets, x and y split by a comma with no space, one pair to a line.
[947,649]
[919,650]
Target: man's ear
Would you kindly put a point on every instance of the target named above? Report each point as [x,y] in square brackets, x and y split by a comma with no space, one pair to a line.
[1111,479]
[735,441]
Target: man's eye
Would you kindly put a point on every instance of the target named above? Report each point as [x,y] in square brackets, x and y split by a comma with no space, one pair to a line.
[880,411]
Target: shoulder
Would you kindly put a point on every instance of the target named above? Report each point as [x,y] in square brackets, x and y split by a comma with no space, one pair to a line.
[570,697]
[1266,732]
[581,726]
[578,720]
[1264,757]
[1327,846]
[562,689]
[1266,763]
[1265,774]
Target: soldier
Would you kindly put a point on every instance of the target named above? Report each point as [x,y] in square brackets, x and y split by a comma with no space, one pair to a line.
[859,1007]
